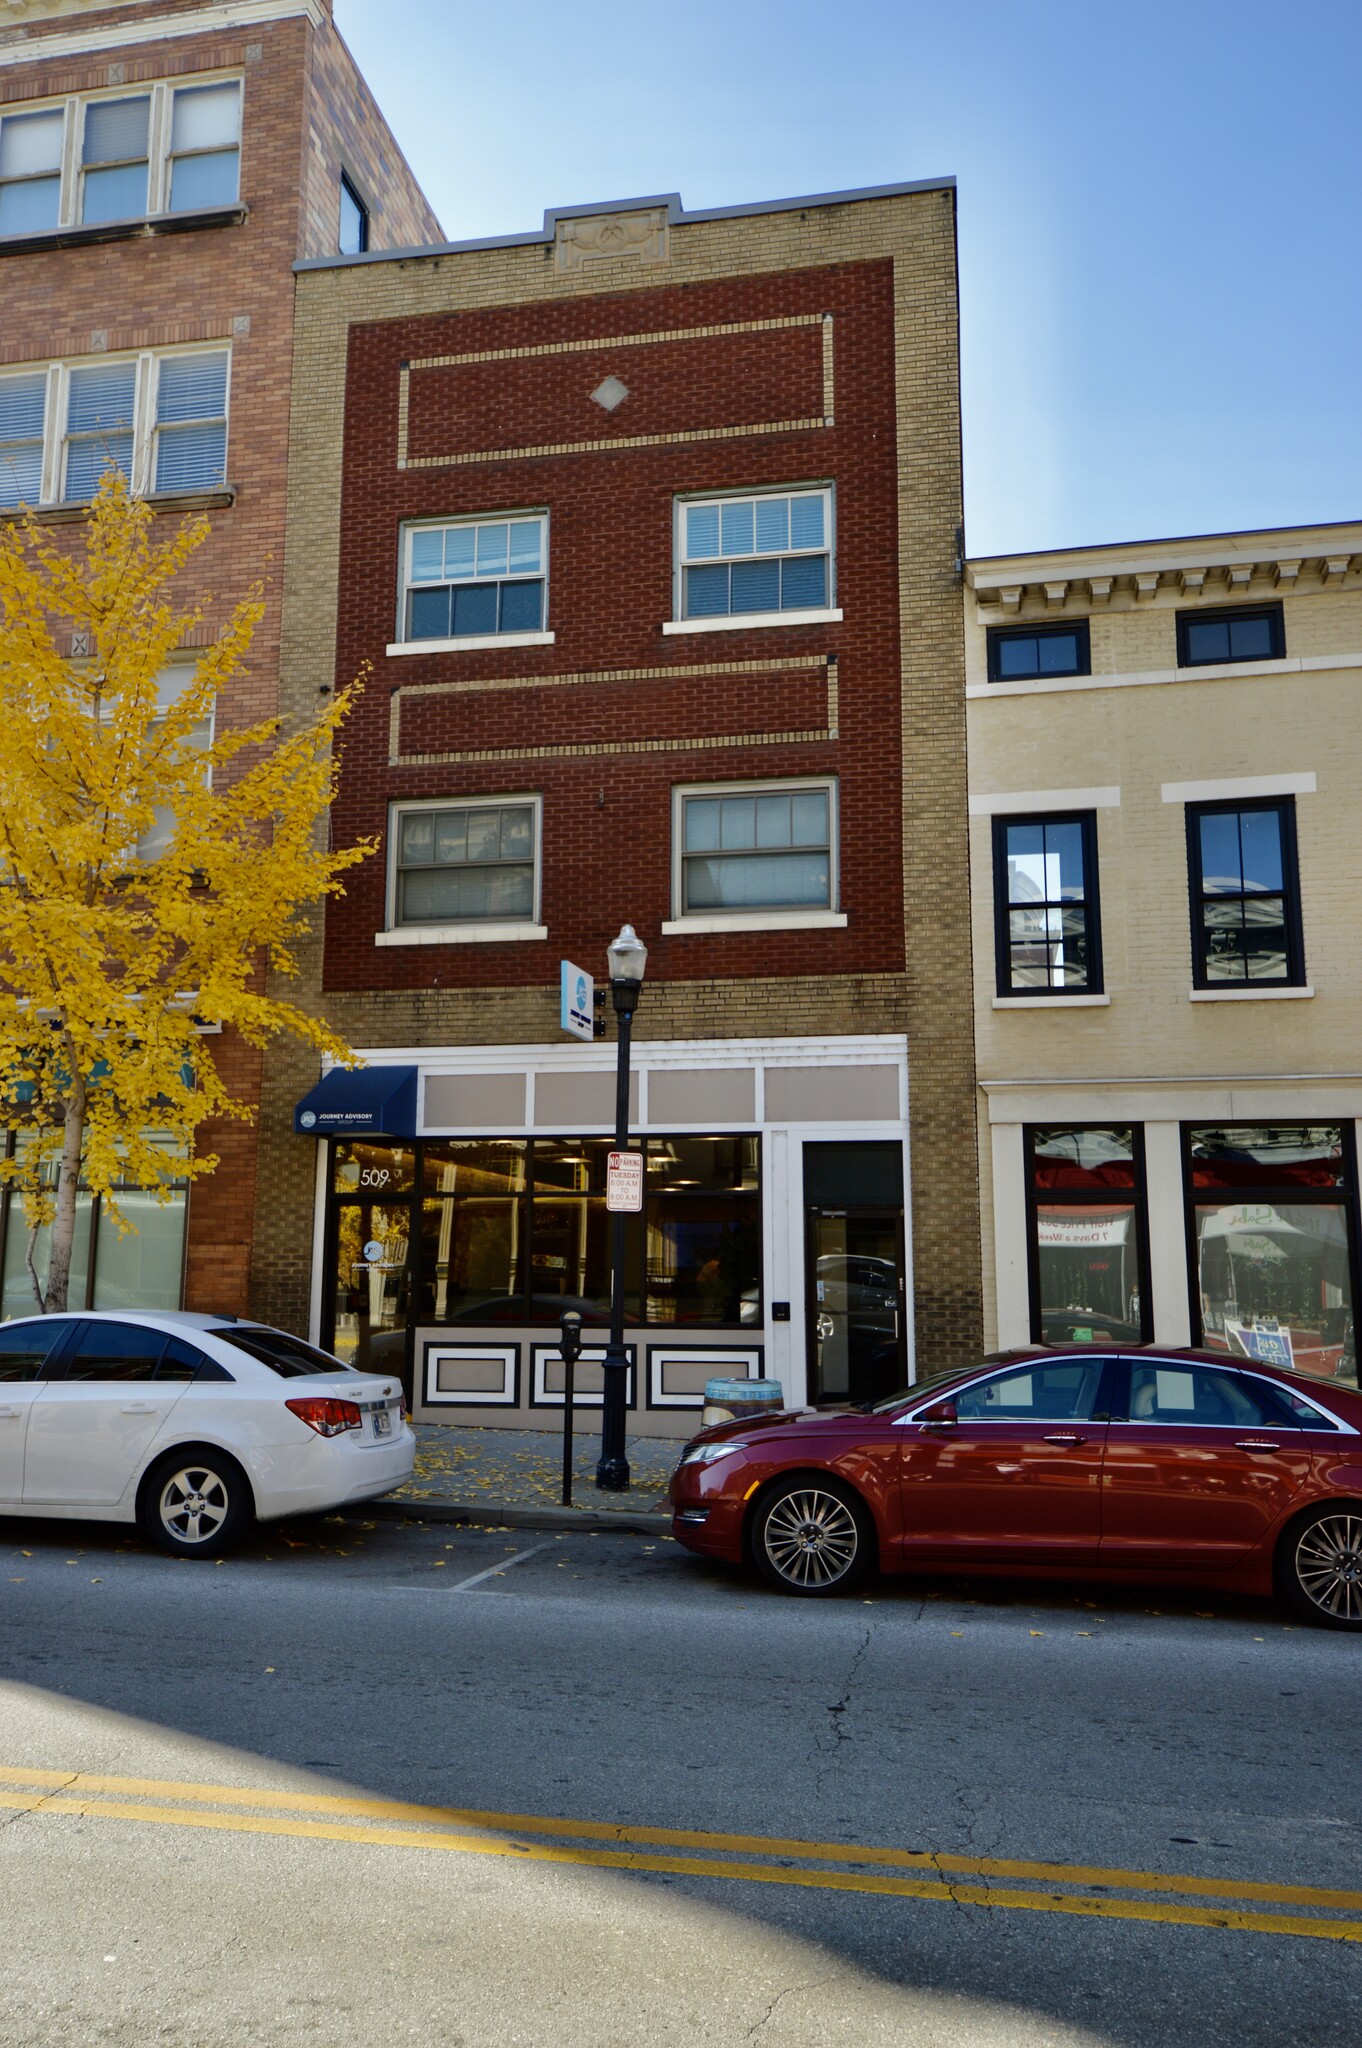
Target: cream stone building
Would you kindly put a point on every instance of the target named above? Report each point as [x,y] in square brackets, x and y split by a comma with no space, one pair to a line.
[1164,755]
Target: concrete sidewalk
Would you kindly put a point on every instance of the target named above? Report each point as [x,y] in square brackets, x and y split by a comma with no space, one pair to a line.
[515,1477]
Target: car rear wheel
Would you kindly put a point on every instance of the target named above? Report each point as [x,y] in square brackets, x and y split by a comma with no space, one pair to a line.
[1319,1566]
[194,1502]
[814,1536]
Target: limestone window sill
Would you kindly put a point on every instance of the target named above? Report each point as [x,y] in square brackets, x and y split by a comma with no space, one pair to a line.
[737,623]
[460,934]
[78,235]
[471,643]
[72,513]
[758,921]
[1051,1002]
[1248,995]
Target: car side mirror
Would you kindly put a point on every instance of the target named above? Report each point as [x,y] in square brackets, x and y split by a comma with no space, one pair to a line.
[941,1415]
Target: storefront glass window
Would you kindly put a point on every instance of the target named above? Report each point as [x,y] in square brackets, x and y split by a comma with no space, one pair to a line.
[1087,1235]
[1274,1250]
[137,1268]
[509,1232]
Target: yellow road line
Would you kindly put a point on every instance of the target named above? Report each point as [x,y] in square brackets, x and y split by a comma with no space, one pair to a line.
[76,1782]
[688,1866]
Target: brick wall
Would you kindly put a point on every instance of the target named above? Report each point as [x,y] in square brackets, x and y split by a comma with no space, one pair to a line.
[302,103]
[605,747]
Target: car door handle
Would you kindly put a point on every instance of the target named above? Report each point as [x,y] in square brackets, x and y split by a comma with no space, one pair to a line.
[1066,1436]
[10,1414]
[1255,1443]
[139,1408]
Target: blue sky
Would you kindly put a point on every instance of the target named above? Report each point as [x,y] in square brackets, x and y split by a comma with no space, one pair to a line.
[1161,291]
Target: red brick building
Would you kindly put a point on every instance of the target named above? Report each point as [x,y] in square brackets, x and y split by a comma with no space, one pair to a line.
[649,528]
[163,166]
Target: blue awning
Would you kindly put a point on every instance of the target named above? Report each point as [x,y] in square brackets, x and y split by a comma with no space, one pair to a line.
[360,1102]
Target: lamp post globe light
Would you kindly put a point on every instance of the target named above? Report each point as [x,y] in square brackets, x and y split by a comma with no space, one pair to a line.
[628,957]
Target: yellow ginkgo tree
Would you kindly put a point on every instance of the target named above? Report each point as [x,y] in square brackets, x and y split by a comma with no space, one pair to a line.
[151,868]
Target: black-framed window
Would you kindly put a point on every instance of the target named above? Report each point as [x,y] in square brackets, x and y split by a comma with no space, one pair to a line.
[1272,1243]
[1250,632]
[482,1233]
[1087,1237]
[354,220]
[1018,654]
[1244,883]
[1047,921]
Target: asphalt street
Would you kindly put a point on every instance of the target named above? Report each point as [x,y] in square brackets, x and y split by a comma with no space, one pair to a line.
[368,1783]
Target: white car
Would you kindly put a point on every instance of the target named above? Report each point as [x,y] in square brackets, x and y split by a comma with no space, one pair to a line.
[190,1425]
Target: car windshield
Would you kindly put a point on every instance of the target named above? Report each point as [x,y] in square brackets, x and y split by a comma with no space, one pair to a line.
[288,1356]
[923,1385]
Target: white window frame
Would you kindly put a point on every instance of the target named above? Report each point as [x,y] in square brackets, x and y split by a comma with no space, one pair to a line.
[733,622]
[754,919]
[161,93]
[146,376]
[469,931]
[463,643]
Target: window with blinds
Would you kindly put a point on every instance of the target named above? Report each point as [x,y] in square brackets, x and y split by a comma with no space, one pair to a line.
[478,577]
[756,556]
[466,863]
[100,160]
[30,172]
[23,415]
[205,138]
[191,423]
[160,418]
[115,160]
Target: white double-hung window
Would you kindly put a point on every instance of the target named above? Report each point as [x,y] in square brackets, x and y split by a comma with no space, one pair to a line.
[159,416]
[95,159]
[760,854]
[757,559]
[474,580]
[467,868]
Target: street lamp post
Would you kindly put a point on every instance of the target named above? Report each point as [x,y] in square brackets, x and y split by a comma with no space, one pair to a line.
[628,957]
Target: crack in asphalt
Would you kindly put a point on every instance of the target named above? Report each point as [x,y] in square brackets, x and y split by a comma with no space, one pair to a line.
[788,1992]
[820,1764]
[27,1812]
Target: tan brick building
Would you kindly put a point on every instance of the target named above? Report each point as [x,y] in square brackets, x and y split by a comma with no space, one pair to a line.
[163,165]
[649,532]
[1164,753]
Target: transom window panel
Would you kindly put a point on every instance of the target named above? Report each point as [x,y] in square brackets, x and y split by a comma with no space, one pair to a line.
[205,134]
[1045,905]
[114,159]
[1021,653]
[1245,894]
[475,577]
[23,414]
[767,848]
[467,863]
[101,402]
[1253,633]
[98,159]
[191,423]
[30,172]
[761,554]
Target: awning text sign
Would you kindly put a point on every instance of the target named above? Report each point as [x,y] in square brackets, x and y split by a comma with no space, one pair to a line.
[624,1181]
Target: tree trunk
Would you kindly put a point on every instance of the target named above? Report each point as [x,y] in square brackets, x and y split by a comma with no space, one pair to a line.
[68,1186]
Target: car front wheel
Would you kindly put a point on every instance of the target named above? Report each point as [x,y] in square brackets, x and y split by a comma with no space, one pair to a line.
[1319,1566]
[813,1535]
[194,1502]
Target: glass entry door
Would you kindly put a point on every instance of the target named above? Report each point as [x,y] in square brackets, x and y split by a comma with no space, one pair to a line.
[856,1335]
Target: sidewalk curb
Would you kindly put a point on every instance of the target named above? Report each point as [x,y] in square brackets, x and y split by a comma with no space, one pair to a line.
[620,1521]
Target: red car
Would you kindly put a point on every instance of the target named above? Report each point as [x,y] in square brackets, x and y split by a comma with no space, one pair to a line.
[1175,1467]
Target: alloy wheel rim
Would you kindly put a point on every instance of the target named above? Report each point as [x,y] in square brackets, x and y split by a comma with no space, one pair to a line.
[194,1504]
[1329,1566]
[811,1538]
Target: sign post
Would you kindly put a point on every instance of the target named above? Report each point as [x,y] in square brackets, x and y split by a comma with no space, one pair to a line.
[576,1001]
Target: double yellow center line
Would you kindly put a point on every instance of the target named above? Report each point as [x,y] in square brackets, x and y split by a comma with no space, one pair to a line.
[1081,1889]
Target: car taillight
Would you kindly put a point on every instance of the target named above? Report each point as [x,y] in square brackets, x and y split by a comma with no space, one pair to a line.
[325,1414]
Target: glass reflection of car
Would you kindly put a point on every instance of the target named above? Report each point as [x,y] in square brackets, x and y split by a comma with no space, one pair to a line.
[1176,1467]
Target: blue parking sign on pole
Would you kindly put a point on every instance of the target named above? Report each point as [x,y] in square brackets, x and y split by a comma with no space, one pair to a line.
[577,1011]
